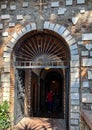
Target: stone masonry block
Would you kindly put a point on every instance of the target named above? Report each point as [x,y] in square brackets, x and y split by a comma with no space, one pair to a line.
[5,16]
[75,96]
[54,4]
[5,34]
[51,26]
[61,30]
[87,36]
[12,7]
[3,6]
[1,26]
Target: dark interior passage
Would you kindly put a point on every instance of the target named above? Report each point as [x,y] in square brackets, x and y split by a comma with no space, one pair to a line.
[53,81]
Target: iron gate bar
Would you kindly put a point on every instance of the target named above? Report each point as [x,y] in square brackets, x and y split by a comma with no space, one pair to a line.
[27,67]
[29,64]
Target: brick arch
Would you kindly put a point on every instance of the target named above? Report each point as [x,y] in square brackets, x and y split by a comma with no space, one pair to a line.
[74,63]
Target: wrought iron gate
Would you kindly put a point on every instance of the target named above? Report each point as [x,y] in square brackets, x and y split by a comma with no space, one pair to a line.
[19,95]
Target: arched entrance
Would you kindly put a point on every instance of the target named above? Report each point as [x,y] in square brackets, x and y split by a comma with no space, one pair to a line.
[44,57]
[67,46]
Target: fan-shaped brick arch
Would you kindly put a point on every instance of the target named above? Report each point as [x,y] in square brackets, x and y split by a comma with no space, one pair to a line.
[74,63]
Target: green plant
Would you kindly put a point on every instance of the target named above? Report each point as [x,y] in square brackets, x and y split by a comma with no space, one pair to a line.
[4,116]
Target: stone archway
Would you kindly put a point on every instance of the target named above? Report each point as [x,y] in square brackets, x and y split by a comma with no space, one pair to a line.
[74,98]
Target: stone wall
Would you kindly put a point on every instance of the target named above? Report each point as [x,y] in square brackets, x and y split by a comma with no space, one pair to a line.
[76,16]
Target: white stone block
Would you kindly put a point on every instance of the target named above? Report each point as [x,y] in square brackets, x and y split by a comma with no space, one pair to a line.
[6,54]
[25,4]
[1,26]
[75,84]
[73,47]
[74,52]
[87,97]
[88,46]
[69,2]
[75,115]
[6,84]
[3,6]
[51,26]
[74,63]
[54,4]
[85,84]
[74,95]
[6,69]
[5,34]
[82,11]
[75,102]
[75,75]
[7,64]
[84,53]
[66,33]
[61,11]
[56,28]
[46,24]
[89,73]
[19,17]
[5,16]
[80,1]
[7,49]
[72,41]
[74,122]
[80,42]
[75,57]
[75,20]
[13,40]
[28,27]
[91,53]
[24,30]
[87,62]
[74,70]
[75,108]
[15,35]
[6,59]
[5,78]
[75,80]
[33,25]
[68,38]
[11,45]
[74,128]
[74,89]
[11,24]
[7,98]
[12,7]
[87,36]
[61,30]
